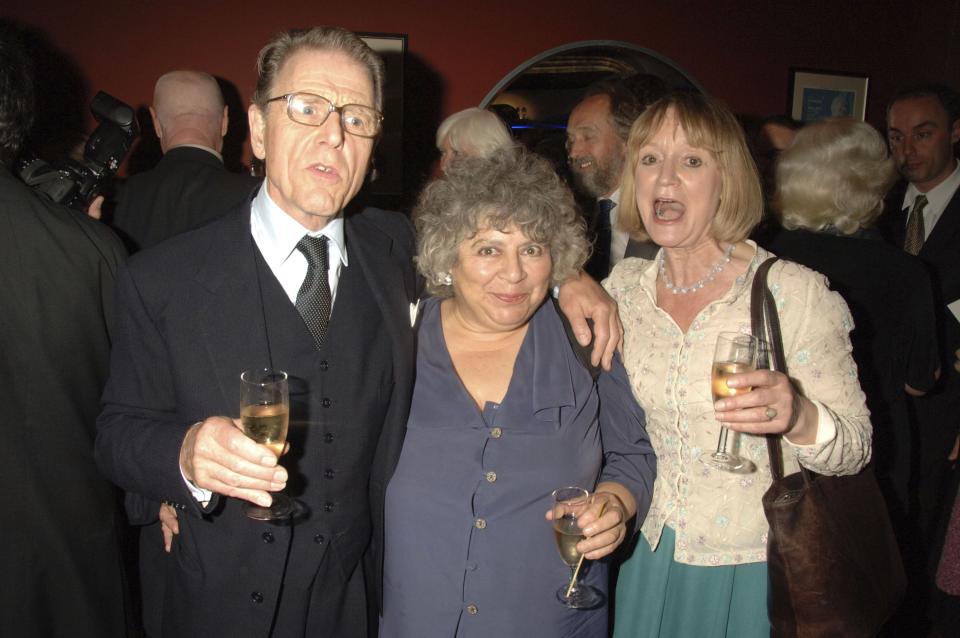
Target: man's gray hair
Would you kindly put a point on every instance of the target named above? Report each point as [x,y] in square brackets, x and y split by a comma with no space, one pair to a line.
[273,56]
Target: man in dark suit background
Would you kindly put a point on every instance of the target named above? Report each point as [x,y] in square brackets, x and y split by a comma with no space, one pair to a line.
[190,186]
[923,217]
[61,569]
[597,132]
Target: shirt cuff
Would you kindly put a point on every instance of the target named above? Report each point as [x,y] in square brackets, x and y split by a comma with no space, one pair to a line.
[826,428]
[201,495]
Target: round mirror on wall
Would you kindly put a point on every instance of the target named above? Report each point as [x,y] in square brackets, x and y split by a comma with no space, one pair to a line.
[535,99]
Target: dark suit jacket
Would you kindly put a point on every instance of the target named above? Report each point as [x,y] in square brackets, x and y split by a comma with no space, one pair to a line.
[60,558]
[188,188]
[894,339]
[941,253]
[188,322]
[643,249]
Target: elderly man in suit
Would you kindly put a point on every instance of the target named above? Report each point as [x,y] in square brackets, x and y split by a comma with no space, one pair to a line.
[190,186]
[61,573]
[295,280]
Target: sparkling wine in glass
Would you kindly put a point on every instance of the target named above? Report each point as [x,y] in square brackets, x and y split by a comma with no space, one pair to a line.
[735,353]
[568,504]
[265,416]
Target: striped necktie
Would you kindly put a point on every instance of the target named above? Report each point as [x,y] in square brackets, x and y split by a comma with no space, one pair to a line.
[913,241]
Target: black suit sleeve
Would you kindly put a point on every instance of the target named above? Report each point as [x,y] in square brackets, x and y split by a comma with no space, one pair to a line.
[138,433]
[921,348]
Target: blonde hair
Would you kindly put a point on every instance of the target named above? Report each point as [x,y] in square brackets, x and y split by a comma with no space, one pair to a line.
[709,125]
[474,131]
[835,174]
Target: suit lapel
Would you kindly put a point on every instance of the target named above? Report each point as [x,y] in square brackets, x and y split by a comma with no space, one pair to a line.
[373,251]
[232,324]
[231,320]
[945,231]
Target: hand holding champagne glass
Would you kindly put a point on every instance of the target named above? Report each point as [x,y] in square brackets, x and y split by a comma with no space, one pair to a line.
[265,416]
[735,353]
[568,504]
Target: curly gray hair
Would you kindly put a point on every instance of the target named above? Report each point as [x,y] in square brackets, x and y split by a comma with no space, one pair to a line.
[505,189]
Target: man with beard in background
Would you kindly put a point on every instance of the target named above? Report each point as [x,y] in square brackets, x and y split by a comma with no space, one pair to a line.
[596,146]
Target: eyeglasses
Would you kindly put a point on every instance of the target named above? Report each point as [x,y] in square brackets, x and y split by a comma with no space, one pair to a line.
[313,110]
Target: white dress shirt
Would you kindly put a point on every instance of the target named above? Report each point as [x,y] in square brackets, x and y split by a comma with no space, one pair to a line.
[276,235]
[937,199]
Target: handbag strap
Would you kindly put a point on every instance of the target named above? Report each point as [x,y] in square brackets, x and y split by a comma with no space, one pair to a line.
[765,325]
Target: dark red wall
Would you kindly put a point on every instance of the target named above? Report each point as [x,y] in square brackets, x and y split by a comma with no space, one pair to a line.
[739,51]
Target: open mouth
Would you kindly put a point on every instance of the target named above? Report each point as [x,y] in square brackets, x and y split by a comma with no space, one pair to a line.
[667,210]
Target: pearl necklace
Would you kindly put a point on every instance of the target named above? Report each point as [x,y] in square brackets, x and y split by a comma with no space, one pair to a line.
[700,283]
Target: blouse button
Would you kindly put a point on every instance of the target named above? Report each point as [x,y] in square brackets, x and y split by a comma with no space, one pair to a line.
[491,477]
[472,610]
[267,537]
[256,597]
[496,433]
[480,523]
[328,438]
[324,365]
[326,403]
[318,539]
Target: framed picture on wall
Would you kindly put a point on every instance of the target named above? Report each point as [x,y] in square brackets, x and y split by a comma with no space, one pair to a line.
[820,94]
[387,185]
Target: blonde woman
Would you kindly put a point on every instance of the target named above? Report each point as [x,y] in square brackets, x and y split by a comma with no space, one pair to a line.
[699,568]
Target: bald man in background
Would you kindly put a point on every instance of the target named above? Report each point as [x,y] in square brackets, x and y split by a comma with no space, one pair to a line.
[190,186]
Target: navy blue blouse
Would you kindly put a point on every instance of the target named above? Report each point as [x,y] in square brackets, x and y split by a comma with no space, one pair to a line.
[468,550]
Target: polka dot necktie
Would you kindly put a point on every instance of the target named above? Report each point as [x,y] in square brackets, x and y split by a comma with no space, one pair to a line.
[314,299]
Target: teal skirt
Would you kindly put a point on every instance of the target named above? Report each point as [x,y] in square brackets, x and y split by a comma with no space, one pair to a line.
[659,597]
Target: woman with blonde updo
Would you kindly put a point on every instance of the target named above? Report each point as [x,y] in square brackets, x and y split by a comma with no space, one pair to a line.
[830,187]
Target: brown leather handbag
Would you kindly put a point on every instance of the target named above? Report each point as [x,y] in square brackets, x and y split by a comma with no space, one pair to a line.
[832,559]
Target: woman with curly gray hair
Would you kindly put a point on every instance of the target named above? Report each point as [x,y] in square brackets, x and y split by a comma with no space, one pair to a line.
[503,413]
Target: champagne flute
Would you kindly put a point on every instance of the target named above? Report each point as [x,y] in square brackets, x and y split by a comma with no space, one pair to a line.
[735,353]
[568,504]
[265,416]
